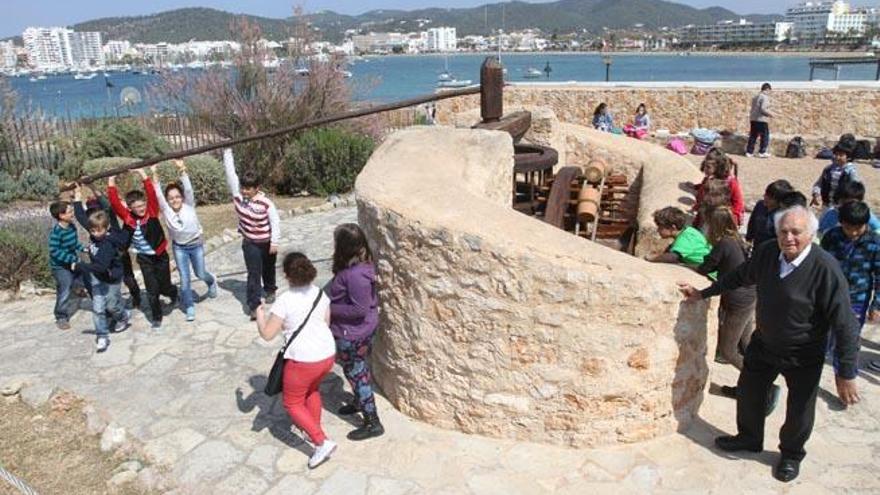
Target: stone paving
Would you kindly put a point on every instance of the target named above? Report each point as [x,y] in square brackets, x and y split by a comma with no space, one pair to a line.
[189,393]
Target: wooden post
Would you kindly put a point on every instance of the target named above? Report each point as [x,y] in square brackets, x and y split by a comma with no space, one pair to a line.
[491,90]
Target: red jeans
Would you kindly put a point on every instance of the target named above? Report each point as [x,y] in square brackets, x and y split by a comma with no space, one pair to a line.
[301,396]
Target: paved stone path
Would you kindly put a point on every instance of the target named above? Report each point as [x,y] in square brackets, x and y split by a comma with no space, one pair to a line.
[188,393]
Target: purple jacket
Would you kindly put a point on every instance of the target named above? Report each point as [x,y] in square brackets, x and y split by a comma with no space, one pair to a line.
[354,303]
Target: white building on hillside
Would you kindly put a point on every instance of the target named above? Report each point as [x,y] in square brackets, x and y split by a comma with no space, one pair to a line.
[818,20]
[58,48]
[442,39]
[8,57]
[115,50]
[730,33]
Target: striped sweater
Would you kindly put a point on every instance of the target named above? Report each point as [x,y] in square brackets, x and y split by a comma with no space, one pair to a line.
[258,220]
[63,246]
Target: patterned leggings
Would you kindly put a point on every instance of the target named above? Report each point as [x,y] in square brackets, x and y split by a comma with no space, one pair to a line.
[352,356]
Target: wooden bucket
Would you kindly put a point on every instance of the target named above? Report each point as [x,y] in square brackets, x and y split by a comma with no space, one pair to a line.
[588,204]
[595,170]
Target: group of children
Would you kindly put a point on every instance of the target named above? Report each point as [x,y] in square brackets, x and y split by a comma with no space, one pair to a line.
[713,246]
[342,330]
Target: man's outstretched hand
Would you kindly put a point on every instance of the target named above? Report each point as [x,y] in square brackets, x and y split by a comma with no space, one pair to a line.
[689,292]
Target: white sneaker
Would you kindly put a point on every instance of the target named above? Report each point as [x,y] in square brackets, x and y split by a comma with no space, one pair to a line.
[749,155]
[764,155]
[322,453]
[102,344]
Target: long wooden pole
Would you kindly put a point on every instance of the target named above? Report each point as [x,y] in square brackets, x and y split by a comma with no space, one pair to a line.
[276,132]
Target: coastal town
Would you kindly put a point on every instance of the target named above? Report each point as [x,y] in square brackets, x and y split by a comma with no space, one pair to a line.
[826,26]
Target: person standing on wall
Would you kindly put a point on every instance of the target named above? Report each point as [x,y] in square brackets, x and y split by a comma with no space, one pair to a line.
[759,117]
[802,297]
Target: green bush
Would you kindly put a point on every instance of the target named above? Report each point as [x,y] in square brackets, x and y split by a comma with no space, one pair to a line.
[107,139]
[205,172]
[9,189]
[38,184]
[25,253]
[325,161]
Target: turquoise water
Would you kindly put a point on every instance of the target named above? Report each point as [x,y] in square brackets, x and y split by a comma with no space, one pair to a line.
[396,77]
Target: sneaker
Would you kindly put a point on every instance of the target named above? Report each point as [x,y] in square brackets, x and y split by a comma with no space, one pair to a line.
[123,324]
[764,155]
[212,290]
[102,344]
[190,313]
[270,297]
[62,325]
[750,155]
[322,453]
[156,324]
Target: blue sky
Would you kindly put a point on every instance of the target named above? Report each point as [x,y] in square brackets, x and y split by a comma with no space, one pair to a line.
[18,14]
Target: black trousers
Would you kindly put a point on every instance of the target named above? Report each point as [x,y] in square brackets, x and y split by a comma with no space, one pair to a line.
[260,267]
[760,368]
[756,130]
[157,279]
[128,278]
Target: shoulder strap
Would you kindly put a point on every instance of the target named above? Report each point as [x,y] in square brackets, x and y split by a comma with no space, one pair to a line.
[303,324]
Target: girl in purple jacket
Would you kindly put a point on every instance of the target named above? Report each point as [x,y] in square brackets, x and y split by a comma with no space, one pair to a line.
[354,316]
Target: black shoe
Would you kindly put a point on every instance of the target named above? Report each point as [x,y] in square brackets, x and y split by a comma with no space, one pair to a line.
[371,428]
[347,410]
[772,399]
[253,315]
[728,391]
[787,470]
[737,443]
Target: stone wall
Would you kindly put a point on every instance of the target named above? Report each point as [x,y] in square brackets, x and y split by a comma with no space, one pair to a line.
[813,111]
[498,324]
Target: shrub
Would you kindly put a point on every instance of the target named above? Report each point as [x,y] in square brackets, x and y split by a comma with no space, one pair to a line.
[38,184]
[325,161]
[25,252]
[9,189]
[108,139]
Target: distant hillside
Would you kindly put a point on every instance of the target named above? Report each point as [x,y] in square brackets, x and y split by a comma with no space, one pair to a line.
[562,16]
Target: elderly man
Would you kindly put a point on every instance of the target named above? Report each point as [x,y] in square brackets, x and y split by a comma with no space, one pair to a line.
[802,295]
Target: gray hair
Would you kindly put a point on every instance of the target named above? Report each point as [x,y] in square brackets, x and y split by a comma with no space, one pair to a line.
[812,221]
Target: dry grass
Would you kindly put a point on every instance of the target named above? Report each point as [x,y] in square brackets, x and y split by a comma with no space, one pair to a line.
[756,173]
[50,449]
[215,218]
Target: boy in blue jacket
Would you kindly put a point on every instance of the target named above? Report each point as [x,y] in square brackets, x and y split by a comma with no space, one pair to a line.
[105,272]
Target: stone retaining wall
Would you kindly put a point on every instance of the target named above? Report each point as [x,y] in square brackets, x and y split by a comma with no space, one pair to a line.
[498,324]
[817,112]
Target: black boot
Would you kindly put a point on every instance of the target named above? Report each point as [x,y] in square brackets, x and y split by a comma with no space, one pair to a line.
[371,428]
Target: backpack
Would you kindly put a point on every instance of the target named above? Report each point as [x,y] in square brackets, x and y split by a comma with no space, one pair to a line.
[700,148]
[862,150]
[796,148]
[848,141]
[825,153]
[677,145]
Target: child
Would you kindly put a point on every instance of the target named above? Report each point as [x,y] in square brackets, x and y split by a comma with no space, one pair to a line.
[354,316]
[140,215]
[712,194]
[105,271]
[100,202]
[849,192]
[178,206]
[309,357]
[858,250]
[760,226]
[641,123]
[736,314]
[834,177]
[689,247]
[260,228]
[64,249]
[602,118]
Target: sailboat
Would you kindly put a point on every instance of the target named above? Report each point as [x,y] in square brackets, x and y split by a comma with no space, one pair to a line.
[532,73]
[447,80]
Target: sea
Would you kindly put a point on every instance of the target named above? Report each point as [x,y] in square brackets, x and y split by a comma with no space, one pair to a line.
[395,77]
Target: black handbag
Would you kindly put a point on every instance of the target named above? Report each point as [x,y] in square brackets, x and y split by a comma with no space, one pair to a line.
[276,375]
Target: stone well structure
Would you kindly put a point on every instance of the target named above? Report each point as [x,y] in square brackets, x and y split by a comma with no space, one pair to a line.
[496,323]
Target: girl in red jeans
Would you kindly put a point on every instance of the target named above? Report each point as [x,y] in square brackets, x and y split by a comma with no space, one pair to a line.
[311,354]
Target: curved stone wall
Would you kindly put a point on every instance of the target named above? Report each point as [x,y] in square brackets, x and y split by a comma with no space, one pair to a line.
[498,324]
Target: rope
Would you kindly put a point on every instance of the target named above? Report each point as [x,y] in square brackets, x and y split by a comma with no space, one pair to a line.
[16,482]
[276,132]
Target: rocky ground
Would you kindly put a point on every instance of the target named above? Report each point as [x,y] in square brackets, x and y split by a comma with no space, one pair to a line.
[190,394]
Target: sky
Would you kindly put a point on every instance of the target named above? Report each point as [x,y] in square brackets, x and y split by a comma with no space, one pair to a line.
[18,14]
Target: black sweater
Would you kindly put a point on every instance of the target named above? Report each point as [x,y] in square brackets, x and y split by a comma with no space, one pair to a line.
[726,257]
[794,314]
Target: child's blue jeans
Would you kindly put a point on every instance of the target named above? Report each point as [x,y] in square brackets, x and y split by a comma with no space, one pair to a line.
[107,305]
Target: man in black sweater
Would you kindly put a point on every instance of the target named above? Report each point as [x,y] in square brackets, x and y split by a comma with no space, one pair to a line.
[802,295]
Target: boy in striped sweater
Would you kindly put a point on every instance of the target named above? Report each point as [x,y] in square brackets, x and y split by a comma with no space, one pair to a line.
[64,249]
[259,225]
